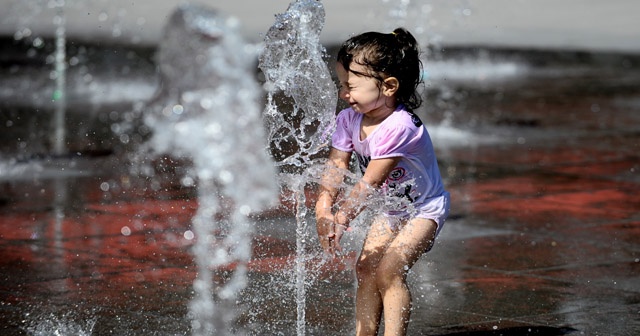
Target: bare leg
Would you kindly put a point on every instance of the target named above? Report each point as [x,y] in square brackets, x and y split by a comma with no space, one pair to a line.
[415,238]
[368,298]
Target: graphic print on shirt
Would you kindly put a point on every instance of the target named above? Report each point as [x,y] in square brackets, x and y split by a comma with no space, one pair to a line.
[363,161]
[397,184]
[415,119]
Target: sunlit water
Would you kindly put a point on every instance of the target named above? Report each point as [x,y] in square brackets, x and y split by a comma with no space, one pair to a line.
[294,64]
[206,105]
[467,92]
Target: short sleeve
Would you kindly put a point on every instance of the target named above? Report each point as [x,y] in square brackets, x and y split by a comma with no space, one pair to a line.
[392,142]
[342,138]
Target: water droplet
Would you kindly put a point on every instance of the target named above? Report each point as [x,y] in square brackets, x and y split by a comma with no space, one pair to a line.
[177,109]
[104,186]
[225,176]
[57,94]
[187,181]
[245,210]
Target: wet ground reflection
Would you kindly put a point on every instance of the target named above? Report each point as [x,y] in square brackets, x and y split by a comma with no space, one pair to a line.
[544,237]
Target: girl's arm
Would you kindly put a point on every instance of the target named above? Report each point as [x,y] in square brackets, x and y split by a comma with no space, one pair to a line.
[330,182]
[376,173]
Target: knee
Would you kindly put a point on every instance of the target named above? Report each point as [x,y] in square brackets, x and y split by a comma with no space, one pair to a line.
[384,275]
[365,271]
[389,276]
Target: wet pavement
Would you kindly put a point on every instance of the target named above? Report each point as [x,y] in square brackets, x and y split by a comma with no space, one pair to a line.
[544,236]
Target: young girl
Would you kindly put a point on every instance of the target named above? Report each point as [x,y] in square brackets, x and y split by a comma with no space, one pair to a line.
[379,74]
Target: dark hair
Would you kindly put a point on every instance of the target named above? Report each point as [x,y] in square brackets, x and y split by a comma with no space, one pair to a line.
[387,55]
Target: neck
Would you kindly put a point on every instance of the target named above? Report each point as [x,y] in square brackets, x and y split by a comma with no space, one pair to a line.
[377,116]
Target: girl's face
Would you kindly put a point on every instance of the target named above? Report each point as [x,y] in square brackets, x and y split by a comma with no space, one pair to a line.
[363,93]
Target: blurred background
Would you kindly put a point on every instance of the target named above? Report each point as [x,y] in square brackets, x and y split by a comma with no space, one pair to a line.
[106,49]
[533,107]
[541,24]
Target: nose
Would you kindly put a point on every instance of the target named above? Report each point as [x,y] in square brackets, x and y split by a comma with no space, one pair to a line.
[343,94]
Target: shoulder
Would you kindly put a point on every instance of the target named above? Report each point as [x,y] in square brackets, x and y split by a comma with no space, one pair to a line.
[402,126]
[347,116]
[401,123]
[347,113]
[407,117]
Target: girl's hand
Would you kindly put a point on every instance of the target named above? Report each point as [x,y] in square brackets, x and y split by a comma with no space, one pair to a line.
[326,233]
[331,179]
[339,230]
[340,225]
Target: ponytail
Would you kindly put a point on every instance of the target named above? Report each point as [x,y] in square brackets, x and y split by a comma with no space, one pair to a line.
[407,68]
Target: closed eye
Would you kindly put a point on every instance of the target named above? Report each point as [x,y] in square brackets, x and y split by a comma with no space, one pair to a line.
[345,87]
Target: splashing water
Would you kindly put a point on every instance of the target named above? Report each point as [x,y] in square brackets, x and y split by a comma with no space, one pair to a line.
[59,324]
[59,95]
[206,107]
[293,64]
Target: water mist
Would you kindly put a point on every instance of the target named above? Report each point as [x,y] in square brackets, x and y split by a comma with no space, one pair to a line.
[293,64]
[203,112]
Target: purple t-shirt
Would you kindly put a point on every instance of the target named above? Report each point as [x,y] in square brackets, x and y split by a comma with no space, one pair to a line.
[416,177]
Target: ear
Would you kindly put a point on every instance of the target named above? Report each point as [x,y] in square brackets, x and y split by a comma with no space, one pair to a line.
[390,86]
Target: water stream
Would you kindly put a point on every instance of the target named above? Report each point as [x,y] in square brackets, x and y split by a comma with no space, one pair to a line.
[85,253]
[293,63]
[207,103]
[59,95]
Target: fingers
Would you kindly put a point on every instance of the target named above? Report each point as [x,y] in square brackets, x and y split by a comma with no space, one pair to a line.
[330,250]
[326,234]
[329,235]
[328,242]
[334,239]
[339,232]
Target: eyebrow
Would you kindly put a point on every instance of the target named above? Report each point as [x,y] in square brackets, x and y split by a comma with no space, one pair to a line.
[359,73]
[345,83]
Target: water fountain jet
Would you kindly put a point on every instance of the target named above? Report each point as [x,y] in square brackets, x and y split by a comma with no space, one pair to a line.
[206,105]
[293,64]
